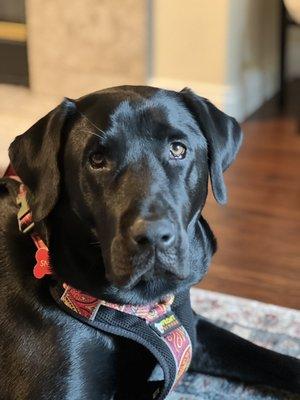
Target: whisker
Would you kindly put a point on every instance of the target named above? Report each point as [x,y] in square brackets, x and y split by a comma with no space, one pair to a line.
[95,134]
[92,123]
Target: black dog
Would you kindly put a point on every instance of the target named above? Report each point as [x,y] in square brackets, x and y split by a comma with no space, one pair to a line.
[116,182]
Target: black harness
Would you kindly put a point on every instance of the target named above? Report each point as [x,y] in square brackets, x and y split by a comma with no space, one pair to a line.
[163,334]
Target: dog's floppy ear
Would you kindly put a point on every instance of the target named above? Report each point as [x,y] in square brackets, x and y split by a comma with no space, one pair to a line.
[34,157]
[223,135]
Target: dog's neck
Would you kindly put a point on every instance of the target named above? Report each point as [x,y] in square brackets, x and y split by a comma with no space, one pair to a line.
[71,250]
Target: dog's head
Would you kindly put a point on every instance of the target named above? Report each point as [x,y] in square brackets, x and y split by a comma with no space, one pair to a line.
[132,165]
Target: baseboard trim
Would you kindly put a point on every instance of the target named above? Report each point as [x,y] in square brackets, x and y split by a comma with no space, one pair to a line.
[238,101]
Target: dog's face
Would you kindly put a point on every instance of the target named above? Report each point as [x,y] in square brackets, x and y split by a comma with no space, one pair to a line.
[132,163]
[137,181]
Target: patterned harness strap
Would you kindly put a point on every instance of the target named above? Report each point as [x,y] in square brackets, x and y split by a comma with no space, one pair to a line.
[158,319]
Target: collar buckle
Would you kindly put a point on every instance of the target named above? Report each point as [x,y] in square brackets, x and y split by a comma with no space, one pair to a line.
[24,216]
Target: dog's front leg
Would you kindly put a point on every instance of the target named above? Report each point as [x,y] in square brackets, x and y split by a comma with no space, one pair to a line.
[222,353]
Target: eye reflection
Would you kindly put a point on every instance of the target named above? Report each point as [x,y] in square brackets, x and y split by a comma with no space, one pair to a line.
[97,160]
[177,150]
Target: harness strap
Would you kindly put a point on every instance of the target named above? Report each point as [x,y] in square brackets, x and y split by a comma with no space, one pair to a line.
[154,326]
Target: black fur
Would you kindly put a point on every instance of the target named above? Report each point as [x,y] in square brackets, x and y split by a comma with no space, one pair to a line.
[86,216]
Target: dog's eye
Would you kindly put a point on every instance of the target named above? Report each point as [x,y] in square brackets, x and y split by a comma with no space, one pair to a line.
[97,160]
[177,150]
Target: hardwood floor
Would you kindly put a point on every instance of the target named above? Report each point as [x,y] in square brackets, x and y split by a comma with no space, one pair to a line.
[258,231]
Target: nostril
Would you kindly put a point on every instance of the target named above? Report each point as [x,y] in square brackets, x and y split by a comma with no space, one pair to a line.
[165,238]
[141,240]
[138,232]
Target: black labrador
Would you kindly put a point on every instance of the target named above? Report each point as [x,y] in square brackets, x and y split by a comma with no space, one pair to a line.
[117,182]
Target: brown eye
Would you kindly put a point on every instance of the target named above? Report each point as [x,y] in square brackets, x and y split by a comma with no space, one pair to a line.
[177,150]
[97,160]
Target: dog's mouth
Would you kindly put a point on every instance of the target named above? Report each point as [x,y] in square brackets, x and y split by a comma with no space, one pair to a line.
[150,267]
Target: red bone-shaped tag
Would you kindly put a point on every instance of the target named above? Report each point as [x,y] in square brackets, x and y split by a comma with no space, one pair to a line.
[42,267]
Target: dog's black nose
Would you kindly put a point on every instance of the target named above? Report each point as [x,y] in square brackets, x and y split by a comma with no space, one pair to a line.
[158,233]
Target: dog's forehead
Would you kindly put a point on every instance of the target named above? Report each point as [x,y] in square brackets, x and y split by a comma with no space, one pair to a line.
[159,109]
[130,109]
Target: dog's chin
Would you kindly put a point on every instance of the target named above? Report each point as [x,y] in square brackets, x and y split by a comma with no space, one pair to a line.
[147,289]
[146,270]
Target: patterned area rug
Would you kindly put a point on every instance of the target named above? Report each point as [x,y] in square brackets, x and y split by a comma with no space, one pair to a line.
[267,325]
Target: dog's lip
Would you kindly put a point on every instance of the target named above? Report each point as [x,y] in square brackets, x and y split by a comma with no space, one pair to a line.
[157,273]
[128,282]
[143,265]
[148,275]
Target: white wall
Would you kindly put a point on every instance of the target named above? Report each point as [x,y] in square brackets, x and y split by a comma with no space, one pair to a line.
[190,45]
[226,50]
[188,38]
[253,54]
